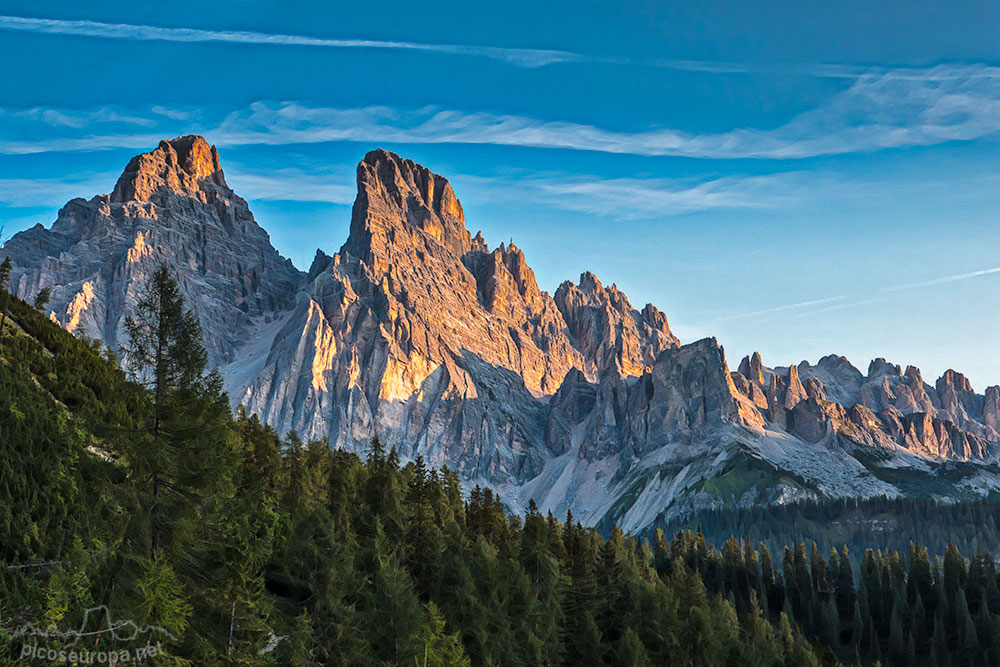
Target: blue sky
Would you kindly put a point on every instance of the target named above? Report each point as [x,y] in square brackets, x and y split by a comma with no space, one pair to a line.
[798,178]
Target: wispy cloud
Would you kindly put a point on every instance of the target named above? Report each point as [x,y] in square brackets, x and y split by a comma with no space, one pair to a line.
[77,119]
[621,199]
[28,192]
[514,56]
[877,111]
[841,306]
[335,186]
[649,198]
[330,184]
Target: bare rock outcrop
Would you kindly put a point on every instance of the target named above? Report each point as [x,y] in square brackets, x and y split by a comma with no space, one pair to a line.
[569,407]
[608,331]
[795,392]
[687,391]
[687,394]
[813,419]
[751,368]
[991,408]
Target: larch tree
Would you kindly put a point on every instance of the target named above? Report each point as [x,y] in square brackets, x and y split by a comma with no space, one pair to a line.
[183,462]
[5,269]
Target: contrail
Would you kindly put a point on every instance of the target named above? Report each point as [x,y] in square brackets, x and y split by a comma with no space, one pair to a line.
[861,302]
[514,56]
[841,306]
[778,309]
[947,279]
[521,57]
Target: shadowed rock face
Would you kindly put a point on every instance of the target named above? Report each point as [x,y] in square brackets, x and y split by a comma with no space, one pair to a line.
[172,206]
[686,393]
[416,331]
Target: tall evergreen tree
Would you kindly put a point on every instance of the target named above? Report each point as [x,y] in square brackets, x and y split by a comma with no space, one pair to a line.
[179,450]
[5,269]
[42,299]
[183,465]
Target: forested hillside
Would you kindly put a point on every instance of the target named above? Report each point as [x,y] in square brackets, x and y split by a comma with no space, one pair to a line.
[873,523]
[141,498]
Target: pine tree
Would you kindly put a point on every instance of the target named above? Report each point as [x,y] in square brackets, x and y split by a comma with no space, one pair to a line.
[384,494]
[69,589]
[42,299]
[897,636]
[436,648]
[871,578]
[183,468]
[299,647]
[583,590]
[424,542]
[820,573]
[784,634]
[615,578]
[547,583]
[631,652]
[955,572]
[940,654]
[585,647]
[162,600]
[732,572]
[773,599]
[661,552]
[919,580]
[845,586]
[165,354]
[802,582]
[5,269]
[967,650]
[696,636]
[391,608]
[865,637]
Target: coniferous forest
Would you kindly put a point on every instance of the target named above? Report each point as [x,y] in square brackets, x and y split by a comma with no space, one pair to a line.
[859,524]
[141,497]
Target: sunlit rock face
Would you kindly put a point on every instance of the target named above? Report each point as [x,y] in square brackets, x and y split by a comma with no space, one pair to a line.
[419,333]
[170,206]
[610,333]
[885,408]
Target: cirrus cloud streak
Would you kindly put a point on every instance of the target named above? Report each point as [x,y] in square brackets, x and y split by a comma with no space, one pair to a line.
[875,112]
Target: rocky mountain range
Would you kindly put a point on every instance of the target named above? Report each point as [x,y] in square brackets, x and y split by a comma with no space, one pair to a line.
[417,332]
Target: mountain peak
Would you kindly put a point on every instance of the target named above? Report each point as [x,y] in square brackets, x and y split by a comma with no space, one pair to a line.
[171,206]
[589,282]
[397,194]
[403,176]
[182,165]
